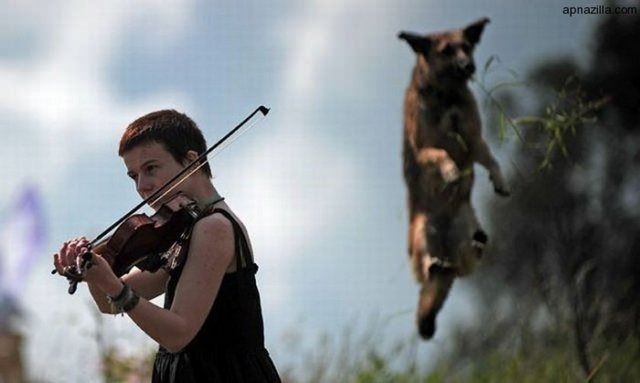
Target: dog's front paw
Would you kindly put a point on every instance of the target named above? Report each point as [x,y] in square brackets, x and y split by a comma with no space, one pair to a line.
[500,186]
[503,192]
[449,171]
[479,241]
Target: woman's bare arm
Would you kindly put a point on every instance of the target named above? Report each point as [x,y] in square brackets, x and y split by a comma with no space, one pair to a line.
[211,251]
[146,284]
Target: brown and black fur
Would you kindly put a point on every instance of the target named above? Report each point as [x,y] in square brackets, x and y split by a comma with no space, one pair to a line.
[442,141]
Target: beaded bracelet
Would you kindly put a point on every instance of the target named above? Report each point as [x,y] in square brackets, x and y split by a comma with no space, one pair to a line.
[126,300]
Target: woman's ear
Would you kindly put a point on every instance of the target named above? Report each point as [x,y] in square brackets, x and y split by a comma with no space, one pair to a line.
[190,157]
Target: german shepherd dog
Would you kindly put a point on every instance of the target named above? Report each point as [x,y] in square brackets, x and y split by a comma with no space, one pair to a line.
[442,141]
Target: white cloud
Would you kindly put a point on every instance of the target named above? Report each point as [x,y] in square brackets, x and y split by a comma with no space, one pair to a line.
[63,92]
[309,38]
[291,189]
[61,105]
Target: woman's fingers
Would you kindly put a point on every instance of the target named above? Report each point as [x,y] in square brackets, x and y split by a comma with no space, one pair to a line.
[58,264]
[66,255]
[69,255]
[63,254]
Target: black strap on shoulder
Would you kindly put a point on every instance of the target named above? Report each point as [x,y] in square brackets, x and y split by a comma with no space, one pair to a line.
[244,257]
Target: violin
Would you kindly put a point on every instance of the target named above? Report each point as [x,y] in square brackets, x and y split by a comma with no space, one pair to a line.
[143,241]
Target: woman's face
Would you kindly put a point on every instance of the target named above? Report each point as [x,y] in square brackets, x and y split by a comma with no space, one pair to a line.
[150,166]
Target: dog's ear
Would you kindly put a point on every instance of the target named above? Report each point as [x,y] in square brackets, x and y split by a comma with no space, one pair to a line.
[472,32]
[419,44]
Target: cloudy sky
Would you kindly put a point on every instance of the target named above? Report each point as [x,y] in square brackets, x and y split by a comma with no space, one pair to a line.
[318,182]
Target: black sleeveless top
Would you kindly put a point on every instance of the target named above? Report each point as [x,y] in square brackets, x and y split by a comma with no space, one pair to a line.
[229,346]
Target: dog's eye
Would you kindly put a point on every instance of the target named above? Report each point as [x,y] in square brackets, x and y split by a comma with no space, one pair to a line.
[447,50]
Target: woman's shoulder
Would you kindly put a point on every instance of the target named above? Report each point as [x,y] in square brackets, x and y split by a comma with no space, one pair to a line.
[213,225]
[212,243]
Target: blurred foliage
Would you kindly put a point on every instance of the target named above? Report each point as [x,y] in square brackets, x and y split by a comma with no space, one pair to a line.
[521,354]
[362,352]
[549,364]
[568,110]
[122,368]
[117,366]
[559,285]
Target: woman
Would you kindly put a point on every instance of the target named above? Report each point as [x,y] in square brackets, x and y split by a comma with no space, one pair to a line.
[211,328]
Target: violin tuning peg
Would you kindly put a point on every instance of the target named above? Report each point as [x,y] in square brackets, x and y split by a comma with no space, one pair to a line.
[73,285]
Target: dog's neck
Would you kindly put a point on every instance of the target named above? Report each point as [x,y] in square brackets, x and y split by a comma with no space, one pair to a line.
[441,95]
[430,89]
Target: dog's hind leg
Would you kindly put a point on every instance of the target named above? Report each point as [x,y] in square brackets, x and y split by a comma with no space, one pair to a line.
[427,259]
[467,239]
[418,245]
[433,293]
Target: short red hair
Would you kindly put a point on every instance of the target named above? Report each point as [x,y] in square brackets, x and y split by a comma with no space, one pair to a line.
[175,131]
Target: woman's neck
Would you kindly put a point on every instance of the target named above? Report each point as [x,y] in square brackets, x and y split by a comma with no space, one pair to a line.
[205,193]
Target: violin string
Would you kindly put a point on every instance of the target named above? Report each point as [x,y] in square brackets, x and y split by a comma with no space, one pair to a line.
[208,158]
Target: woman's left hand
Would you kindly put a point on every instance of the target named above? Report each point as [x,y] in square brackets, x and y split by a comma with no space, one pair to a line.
[99,273]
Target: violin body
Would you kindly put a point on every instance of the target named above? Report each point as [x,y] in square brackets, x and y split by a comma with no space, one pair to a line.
[141,240]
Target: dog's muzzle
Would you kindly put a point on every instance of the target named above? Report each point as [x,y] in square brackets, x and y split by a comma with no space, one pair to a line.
[469,69]
[465,69]
[462,71]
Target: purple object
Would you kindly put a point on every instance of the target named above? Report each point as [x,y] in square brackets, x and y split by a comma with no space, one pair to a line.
[22,239]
